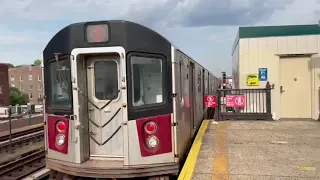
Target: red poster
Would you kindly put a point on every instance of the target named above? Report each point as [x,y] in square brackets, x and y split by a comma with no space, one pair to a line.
[211,101]
[236,101]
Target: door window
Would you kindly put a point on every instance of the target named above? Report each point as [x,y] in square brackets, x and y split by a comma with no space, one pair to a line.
[106,80]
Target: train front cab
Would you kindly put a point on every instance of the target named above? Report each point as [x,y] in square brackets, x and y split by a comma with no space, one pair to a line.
[101,138]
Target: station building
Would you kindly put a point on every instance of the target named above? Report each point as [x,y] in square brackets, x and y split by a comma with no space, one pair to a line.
[288,57]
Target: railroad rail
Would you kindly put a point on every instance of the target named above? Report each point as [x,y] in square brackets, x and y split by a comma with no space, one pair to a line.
[21,133]
[43,174]
[24,166]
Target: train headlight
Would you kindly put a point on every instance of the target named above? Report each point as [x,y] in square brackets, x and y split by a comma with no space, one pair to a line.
[60,139]
[152,142]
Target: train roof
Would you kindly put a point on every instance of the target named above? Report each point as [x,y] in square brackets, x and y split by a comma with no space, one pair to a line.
[121,33]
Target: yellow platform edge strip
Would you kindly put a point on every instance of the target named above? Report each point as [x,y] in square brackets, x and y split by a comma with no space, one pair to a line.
[30,126]
[188,168]
[37,125]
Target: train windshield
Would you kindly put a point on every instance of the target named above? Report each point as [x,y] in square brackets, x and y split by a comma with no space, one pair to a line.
[147,80]
[60,85]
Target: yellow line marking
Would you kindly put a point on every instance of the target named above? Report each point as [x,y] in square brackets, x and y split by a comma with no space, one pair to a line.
[220,164]
[307,168]
[36,125]
[29,127]
[188,168]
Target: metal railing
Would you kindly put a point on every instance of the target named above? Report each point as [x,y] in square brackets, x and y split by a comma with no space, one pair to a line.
[18,111]
[244,104]
[15,113]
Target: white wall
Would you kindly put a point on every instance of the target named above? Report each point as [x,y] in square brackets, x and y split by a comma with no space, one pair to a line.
[257,53]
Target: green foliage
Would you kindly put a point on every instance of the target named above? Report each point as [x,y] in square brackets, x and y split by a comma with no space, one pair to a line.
[10,65]
[16,96]
[37,62]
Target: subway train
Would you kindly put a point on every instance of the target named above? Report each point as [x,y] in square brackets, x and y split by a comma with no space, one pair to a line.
[120,101]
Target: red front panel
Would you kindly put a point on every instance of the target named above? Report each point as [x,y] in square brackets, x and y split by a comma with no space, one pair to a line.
[53,132]
[163,133]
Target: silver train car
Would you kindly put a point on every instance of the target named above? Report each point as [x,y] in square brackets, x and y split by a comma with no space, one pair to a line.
[120,101]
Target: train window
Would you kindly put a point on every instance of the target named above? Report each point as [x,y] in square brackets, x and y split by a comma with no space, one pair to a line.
[106,79]
[60,90]
[147,80]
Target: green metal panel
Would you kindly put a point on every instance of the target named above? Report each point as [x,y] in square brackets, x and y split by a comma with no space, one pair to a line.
[274,31]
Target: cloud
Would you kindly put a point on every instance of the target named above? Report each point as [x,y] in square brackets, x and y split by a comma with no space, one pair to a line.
[18,39]
[227,12]
[157,13]
[298,12]
[40,10]
[199,13]
[187,13]
[13,37]
[204,29]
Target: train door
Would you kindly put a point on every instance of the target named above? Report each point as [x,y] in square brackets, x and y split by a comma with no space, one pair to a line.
[192,95]
[104,106]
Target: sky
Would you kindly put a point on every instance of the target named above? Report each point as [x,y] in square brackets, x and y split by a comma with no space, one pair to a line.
[203,29]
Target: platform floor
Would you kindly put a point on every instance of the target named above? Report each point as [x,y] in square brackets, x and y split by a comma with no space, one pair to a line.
[262,150]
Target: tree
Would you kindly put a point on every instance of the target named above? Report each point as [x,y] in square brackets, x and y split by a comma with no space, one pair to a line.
[10,65]
[16,96]
[37,62]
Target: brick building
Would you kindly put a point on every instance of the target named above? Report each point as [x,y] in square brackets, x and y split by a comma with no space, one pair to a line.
[28,80]
[4,85]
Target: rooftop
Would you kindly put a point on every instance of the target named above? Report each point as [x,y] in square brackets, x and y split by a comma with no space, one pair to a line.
[274,31]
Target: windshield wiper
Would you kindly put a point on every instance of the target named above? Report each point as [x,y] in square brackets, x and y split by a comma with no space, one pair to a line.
[57,55]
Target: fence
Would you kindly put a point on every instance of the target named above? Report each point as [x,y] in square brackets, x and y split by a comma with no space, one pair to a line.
[244,104]
[14,117]
[19,111]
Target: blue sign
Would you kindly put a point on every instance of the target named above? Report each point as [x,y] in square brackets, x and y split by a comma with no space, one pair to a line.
[263,74]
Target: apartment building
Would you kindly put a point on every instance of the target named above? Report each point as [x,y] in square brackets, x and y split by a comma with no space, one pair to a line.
[4,85]
[28,79]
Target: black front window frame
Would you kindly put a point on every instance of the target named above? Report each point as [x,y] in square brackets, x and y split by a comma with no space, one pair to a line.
[135,92]
[58,85]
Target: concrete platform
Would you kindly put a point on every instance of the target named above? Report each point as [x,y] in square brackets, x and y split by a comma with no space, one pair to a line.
[247,150]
